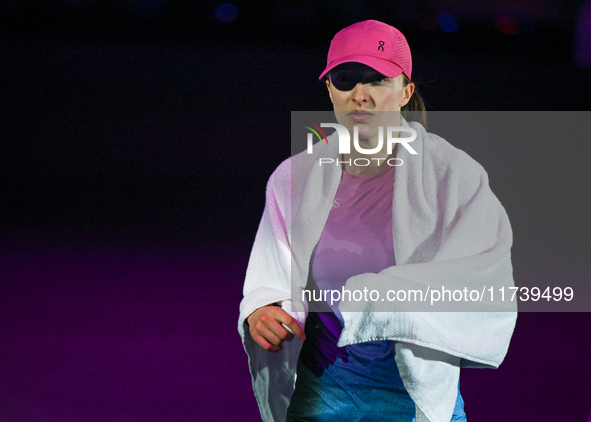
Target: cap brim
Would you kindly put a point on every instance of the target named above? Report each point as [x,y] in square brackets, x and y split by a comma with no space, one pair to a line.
[385,67]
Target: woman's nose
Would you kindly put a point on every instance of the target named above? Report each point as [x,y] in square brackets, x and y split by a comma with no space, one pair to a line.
[360,93]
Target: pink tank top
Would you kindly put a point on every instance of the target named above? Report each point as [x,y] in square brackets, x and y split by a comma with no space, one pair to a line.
[357,237]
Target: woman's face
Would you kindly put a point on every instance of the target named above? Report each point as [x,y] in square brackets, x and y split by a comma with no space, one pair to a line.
[361,96]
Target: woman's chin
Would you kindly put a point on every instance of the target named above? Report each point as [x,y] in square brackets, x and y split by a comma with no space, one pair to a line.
[365,131]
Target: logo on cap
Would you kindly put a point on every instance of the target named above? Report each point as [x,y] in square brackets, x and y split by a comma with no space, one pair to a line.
[381,46]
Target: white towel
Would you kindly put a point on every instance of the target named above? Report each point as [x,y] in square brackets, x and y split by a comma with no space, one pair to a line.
[448,229]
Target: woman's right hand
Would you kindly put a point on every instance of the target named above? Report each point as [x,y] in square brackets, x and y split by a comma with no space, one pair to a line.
[266,329]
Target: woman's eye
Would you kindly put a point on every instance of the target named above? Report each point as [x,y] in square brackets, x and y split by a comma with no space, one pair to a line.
[343,81]
[379,80]
[342,78]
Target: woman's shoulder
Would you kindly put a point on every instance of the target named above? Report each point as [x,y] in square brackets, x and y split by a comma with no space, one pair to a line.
[280,179]
[297,168]
[443,156]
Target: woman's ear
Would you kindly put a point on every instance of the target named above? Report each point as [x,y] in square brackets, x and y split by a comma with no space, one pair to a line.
[408,90]
[328,87]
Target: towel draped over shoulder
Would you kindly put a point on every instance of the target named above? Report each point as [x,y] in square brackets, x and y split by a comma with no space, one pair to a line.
[449,230]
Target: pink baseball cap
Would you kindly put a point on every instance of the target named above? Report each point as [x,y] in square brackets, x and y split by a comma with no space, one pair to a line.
[374,44]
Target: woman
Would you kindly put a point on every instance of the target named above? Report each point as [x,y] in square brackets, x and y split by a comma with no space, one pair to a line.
[429,219]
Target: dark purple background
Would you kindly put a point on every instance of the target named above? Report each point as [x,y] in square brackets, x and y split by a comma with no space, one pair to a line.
[133,172]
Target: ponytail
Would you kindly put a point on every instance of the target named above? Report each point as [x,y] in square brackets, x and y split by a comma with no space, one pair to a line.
[415,108]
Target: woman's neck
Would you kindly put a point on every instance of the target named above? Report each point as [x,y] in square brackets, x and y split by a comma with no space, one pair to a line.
[358,163]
